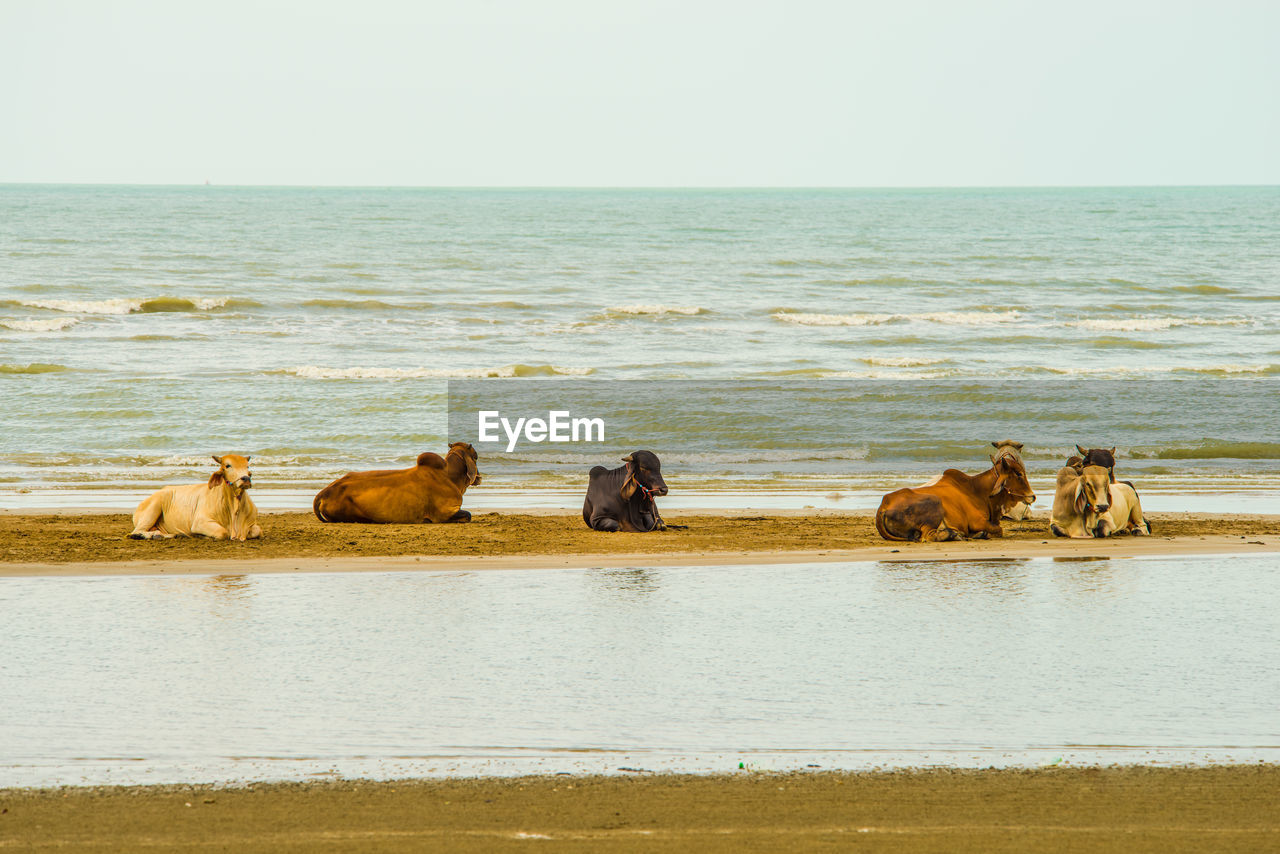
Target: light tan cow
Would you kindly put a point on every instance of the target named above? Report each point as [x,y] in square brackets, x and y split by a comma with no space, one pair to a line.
[430,491]
[219,509]
[1087,504]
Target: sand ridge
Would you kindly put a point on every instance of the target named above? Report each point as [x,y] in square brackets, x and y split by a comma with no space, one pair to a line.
[69,544]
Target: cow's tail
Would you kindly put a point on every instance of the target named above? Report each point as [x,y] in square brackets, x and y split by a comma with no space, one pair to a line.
[884,531]
[315,506]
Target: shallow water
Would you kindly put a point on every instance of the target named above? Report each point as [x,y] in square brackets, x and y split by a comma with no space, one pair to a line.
[1008,662]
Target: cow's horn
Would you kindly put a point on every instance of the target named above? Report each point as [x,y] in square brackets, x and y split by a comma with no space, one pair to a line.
[217,459]
[627,459]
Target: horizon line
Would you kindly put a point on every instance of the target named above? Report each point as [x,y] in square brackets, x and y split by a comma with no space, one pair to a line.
[661,187]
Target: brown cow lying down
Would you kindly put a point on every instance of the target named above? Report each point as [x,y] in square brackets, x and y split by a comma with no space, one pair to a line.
[430,491]
[957,506]
[219,509]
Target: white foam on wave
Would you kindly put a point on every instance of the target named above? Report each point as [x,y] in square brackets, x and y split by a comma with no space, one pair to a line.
[951,318]
[687,310]
[901,361]
[886,375]
[53,324]
[106,306]
[314,372]
[1155,324]
[122,305]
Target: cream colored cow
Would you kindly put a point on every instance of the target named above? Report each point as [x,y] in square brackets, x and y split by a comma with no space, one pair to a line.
[219,509]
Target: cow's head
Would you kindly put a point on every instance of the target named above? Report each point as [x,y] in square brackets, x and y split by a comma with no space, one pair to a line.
[643,470]
[1012,477]
[469,458]
[1098,457]
[1093,493]
[233,470]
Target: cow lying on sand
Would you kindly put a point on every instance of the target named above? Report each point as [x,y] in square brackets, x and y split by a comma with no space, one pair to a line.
[956,506]
[1087,504]
[219,509]
[621,499]
[430,491]
[1009,448]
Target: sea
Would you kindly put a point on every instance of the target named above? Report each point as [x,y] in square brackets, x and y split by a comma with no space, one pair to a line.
[817,346]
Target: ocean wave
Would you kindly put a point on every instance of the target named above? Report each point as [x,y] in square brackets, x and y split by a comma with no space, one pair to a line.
[314,372]
[950,318]
[130,306]
[1209,449]
[52,324]
[698,458]
[33,368]
[654,310]
[901,361]
[1206,290]
[359,304]
[1156,324]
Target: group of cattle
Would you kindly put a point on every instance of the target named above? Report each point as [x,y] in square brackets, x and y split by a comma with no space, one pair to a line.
[620,499]
[1089,502]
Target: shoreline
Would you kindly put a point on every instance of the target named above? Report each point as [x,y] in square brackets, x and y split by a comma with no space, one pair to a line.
[46,545]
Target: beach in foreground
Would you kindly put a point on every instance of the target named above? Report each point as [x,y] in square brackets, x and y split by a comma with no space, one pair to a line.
[1058,809]
[95,544]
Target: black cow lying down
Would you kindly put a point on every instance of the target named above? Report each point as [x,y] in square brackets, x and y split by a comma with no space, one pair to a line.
[621,499]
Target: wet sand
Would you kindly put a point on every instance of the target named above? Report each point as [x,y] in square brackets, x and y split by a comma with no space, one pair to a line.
[1059,809]
[76,544]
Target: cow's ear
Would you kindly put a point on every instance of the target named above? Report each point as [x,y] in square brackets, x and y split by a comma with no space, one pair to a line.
[1113,451]
[999,485]
[1080,497]
[216,478]
[473,474]
[628,489]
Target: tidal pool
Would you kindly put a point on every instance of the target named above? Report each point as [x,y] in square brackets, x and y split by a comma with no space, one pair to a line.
[856,665]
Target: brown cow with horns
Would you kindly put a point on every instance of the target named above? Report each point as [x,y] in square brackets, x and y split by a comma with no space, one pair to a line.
[956,506]
[430,491]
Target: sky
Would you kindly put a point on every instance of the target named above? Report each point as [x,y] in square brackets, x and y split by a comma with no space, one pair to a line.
[689,93]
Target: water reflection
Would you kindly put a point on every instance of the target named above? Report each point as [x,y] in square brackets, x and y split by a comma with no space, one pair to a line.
[1002,577]
[997,655]
[629,583]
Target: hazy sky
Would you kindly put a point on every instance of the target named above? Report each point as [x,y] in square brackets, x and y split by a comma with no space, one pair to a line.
[653,93]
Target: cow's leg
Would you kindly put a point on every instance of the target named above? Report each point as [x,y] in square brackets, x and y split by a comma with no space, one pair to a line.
[146,519]
[605,523]
[255,533]
[460,516]
[940,534]
[209,528]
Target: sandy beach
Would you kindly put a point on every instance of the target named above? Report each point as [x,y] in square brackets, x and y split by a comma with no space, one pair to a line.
[1090,809]
[95,544]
